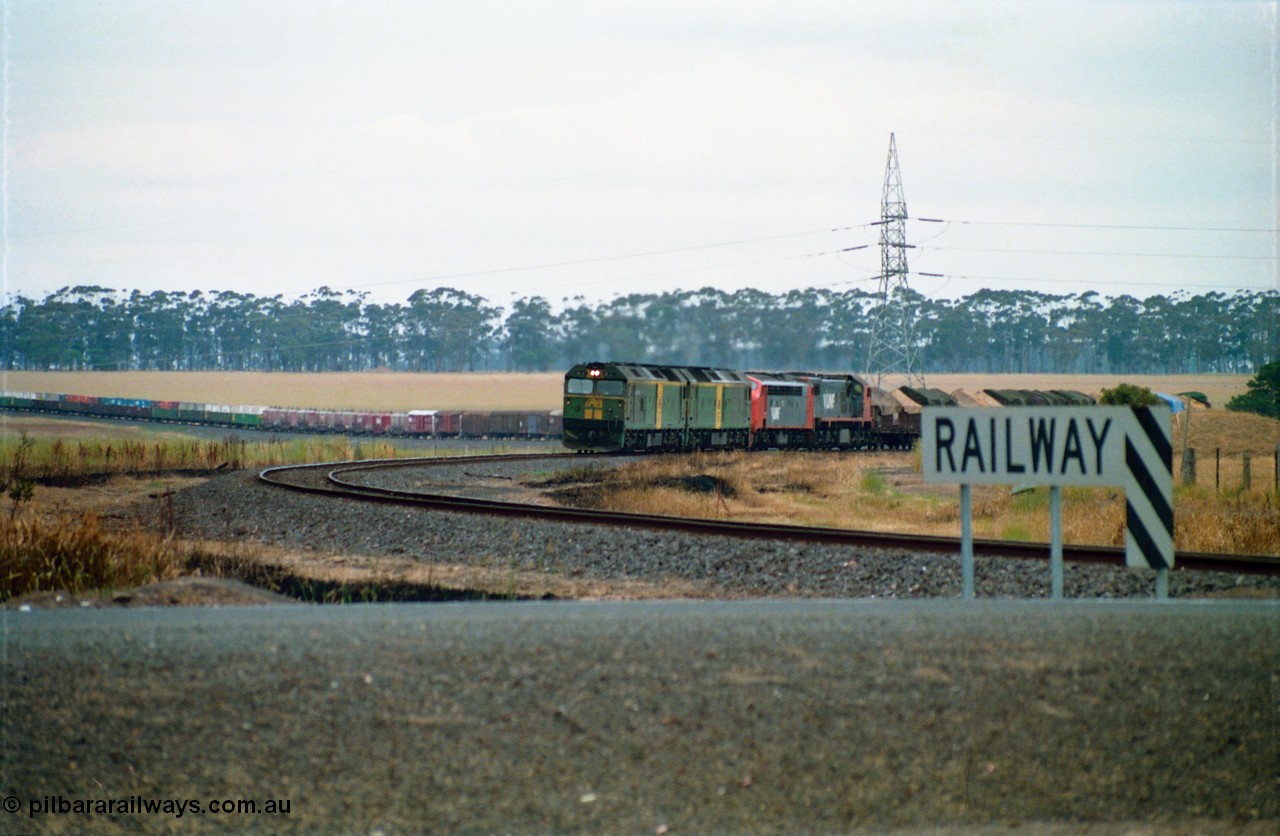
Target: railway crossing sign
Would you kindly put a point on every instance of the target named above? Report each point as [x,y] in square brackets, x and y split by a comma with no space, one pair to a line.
[1128,447]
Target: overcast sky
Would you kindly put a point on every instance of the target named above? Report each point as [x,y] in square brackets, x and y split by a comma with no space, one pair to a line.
[592,149]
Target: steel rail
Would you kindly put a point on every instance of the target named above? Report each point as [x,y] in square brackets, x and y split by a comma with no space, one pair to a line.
[337,485]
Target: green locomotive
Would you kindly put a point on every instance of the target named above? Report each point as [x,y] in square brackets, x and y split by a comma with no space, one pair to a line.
[637,407]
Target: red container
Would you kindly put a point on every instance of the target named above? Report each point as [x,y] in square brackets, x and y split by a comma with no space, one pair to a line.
[448,423]
[421,422]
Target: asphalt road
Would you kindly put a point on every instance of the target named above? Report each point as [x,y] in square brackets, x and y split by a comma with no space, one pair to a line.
[645,717]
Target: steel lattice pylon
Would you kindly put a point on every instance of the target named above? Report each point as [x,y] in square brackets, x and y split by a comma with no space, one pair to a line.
[893,348]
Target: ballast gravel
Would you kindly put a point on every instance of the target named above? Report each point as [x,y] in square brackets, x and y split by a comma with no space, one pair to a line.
[238,506]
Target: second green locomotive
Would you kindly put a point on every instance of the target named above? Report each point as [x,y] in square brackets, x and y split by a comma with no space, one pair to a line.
[630,406]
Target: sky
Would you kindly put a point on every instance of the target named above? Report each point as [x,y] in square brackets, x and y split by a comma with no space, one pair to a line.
[575,149]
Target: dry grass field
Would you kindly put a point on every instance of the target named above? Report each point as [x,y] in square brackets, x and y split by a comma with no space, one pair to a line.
[885,492]
[489,390]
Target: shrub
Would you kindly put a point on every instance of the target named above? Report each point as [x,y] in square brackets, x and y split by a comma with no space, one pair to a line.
[1263,395]
[1127,394]
[75,554]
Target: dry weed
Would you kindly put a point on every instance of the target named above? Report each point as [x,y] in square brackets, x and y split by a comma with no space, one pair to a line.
[883,492]
[76,554]
[56,459]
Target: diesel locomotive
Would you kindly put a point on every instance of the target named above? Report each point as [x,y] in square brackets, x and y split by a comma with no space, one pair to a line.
[637,407]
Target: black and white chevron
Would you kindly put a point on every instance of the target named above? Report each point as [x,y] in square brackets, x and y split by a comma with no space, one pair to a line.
[1148,491]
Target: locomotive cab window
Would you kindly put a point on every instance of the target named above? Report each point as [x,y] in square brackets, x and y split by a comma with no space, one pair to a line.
[582,386]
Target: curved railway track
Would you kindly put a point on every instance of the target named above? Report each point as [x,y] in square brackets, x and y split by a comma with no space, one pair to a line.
[334,479]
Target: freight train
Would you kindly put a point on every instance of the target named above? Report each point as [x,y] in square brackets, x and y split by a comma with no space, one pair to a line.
[633,407]
[638,407]
[431,423]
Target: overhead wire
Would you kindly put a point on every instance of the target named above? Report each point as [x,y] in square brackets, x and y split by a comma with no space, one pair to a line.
[1096,253]
[948,224]
[603,259]
[1154,228]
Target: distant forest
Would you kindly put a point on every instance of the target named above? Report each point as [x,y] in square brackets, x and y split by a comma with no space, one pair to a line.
[992,331]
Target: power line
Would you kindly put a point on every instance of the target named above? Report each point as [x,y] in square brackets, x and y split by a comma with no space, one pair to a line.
[1103,226]
[1123,282]
[738,242]
[864,226]
[601,259]
[1096,253]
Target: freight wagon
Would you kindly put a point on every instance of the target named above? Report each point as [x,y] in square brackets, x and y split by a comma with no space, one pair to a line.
[419,422]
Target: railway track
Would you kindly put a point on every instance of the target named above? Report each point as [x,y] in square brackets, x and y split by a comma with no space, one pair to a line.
[337,480]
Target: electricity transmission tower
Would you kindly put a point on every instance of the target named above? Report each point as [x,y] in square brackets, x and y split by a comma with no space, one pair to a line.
[893,348]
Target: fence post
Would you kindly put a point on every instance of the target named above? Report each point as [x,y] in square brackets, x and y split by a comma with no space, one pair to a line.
[966,541]
[1217,469]
[1246,479]
[1189,466]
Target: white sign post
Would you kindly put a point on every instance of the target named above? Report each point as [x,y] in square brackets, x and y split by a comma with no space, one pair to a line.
[1093,446]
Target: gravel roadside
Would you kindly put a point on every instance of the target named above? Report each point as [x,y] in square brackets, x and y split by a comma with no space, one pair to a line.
[651,717]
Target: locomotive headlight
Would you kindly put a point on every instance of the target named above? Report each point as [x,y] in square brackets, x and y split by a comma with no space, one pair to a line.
[594,372]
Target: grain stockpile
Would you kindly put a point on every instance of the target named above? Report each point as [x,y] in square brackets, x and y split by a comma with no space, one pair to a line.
[1218,387]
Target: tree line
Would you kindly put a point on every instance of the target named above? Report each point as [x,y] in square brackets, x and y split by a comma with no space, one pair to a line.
[445,329]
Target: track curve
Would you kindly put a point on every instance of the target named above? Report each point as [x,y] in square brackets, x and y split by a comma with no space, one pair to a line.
[333,479]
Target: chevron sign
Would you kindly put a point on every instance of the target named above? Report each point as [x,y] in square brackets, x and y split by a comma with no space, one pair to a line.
[1128,447]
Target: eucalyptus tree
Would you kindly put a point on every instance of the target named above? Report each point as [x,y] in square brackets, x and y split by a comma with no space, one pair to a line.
[77,327]
[707,326]
[687,327]
[160,328]
[103,332]
[8,333]
[623,332]
[383,335]
[798,334]
[1255,329]
[1084,325]
[576,334]
[752,313]
[528,335]
[848,328]
[332,327]
[448,329]
[1122,317]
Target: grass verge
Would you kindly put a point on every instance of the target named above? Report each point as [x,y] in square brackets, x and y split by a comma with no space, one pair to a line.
[57,459]
[885,492]
[75,553]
